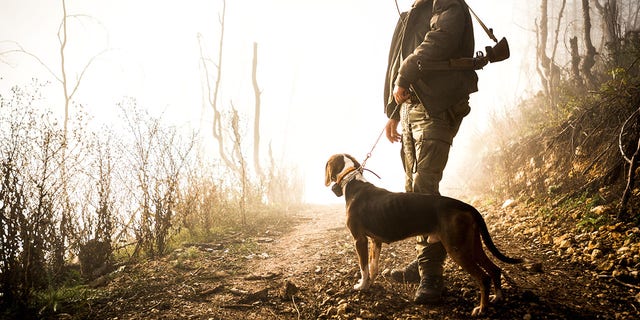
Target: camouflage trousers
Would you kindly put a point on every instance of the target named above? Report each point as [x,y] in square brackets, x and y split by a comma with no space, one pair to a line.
[426,140]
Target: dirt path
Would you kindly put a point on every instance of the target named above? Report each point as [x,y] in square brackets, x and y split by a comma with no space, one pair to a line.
[302,251]
[318,258]
[308,271]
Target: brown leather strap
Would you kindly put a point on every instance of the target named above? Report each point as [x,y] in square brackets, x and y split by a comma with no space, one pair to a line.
[489,31]
[344,174]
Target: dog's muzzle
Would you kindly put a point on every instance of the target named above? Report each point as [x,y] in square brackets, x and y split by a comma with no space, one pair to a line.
[337,190]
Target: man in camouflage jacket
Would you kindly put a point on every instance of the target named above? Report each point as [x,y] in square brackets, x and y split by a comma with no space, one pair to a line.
[430,105]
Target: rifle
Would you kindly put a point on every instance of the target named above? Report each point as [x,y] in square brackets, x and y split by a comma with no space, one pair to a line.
[497,53]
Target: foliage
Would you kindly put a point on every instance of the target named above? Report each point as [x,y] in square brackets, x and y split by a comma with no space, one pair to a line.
[100,198]
[31,209]
[571,148]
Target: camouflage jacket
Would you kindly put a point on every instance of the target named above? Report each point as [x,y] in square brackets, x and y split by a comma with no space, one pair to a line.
[432,30]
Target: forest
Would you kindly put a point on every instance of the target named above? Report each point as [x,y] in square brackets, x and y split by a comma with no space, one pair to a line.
[143,219]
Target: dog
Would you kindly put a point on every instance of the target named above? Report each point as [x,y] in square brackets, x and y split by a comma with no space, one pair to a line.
[384,217]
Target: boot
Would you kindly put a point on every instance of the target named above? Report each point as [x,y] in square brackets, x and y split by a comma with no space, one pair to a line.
[431,258]
[407,274]
[430,290]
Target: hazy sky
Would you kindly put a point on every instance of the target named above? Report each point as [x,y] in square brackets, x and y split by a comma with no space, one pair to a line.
[321,68]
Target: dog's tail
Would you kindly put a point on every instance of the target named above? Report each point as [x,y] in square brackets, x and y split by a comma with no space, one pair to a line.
[488,242]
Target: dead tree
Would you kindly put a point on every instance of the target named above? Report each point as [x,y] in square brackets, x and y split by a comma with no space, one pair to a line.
[239,157]
[552,71]
[611,29]
[225,128]
[633,161]
[547,68]
[589,59]
[575,62]
[256,117]
[633,13]
[213,92]
[69,88]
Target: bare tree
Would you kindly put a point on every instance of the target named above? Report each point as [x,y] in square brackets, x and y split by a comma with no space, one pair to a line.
[633,161]
[553,77]
[256,116]
[611,28]
[239,158]
[213,91]
[546,67]
[226,126]
[575,62]
[589,59]
[69,88]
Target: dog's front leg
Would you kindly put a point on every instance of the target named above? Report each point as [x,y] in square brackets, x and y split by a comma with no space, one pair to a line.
[374,258]
[362,248]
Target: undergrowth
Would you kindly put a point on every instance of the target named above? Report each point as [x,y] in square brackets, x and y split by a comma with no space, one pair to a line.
[567,157]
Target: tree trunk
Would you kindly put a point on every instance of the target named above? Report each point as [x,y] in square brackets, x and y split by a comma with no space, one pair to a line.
[634,162]
[65,86]
[611,28]
[237,142]
[589,60]
[575,62]
[547,69]
[541,50]
[554,73]
[256,118]
[212,93]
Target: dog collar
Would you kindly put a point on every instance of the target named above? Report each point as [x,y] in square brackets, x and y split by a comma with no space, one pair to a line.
[343,179]
[344,174]
[349,177]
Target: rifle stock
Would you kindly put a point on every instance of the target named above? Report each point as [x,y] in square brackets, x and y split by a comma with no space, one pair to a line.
[499,52]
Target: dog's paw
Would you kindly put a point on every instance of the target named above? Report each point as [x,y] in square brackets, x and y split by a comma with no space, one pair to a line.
[362,285]
[477,311]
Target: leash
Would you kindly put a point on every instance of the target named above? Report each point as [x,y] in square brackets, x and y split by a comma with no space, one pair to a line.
[373,147]
[375,144]
[362,168]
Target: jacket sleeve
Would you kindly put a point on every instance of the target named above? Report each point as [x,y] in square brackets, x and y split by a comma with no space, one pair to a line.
[441,42]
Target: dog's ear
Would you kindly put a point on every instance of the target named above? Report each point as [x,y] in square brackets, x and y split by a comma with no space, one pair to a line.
[327,173]
[333,166]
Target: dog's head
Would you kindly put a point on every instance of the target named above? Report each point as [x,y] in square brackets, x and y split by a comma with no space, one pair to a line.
[336,168]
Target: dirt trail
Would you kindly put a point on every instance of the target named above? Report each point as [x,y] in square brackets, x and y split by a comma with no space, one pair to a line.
[308,272]
[302,251]
[319,258]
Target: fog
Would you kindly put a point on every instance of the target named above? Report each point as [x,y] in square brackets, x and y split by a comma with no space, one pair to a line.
[321,66]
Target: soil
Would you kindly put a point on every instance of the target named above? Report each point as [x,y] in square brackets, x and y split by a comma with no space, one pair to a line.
[307,271]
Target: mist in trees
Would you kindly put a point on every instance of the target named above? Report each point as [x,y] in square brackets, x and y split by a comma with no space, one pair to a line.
[77,201]
[581,40]
[578,133]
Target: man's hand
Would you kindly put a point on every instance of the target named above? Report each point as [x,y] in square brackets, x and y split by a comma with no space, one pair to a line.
[400,94]
[392,131]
